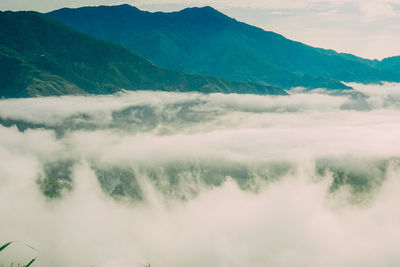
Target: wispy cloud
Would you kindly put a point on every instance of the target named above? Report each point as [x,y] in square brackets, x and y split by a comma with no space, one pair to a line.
[377,10]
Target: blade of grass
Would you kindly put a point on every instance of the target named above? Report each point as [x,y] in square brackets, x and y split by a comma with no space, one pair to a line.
[29,264]
[5,245]
[29,246]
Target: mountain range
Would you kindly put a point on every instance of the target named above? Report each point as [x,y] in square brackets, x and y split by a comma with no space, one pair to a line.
[205,41]
[105,49]
[40,56]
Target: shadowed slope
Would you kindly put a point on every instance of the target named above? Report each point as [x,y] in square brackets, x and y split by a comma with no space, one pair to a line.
[39,56]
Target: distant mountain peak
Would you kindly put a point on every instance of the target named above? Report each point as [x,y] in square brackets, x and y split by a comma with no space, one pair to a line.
[126,7]
[205,11]
[123,6]
[202,9]
[206,17]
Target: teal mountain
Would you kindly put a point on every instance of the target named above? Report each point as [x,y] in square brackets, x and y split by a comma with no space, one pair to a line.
[40,56]
[205,41]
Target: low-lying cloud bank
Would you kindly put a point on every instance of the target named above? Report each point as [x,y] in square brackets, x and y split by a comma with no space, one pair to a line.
[186,179]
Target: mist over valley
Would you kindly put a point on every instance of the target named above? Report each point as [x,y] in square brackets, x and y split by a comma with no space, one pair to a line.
[177,179]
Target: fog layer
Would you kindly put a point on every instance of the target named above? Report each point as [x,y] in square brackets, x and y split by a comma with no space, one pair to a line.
[186,179]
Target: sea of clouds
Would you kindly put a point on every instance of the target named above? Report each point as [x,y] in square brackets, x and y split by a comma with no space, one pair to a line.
[188,179]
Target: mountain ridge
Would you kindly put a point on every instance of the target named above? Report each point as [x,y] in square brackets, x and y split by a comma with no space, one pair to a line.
[40,56]
[205,41]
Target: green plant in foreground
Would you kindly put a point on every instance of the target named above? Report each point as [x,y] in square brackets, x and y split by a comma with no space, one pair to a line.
[9,243]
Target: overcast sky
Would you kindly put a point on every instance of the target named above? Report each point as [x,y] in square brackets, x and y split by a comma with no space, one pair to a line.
[367,28]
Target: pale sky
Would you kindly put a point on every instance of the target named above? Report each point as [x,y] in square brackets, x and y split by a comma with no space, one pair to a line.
[367,28]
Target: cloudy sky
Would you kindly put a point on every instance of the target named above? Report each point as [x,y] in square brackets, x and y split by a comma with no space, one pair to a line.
[369,29]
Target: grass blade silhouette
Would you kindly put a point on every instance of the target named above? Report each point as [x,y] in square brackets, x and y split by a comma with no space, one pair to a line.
[5,245]
[29,264]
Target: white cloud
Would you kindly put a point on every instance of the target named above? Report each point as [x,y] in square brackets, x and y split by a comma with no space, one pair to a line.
[289,219]
[377,10]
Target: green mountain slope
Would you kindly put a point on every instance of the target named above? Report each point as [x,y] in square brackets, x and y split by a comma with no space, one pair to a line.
[39,56]
[391,64]
[205,41]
